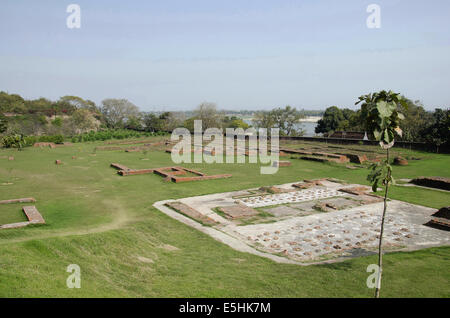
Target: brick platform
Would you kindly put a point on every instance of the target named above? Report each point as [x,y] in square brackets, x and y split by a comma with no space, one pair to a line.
[190,212]
[238,211]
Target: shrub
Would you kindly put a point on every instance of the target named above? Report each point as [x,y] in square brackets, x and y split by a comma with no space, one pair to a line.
[113,134]
[14,141]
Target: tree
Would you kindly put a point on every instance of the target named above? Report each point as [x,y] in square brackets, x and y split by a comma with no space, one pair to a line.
[134,123]
[382,116]
[234,122]
[12,103]
[166,121]
[286,119]
[152,122]
[438,133]
[117,111]
[83,120]
[416,119]
[330,121]
[209,115]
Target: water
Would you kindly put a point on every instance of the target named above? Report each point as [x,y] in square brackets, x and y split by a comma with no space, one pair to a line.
[307,126]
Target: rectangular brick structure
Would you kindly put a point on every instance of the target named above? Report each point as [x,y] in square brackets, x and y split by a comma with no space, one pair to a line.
[169,173]
[33,215]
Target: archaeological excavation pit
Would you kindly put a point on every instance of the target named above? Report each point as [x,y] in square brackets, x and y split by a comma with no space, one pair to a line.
[324,221]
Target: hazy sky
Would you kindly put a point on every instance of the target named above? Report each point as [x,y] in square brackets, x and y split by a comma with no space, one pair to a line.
[240,54]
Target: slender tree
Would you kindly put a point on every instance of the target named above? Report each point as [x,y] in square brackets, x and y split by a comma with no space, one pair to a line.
[381,113]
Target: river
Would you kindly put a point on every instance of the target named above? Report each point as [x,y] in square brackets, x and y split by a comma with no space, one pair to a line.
[308,126]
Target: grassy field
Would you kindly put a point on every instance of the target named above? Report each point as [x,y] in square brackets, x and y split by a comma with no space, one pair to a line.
[126,248]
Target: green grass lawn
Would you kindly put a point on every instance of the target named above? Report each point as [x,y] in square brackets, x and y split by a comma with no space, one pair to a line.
[11,213]
[104,223]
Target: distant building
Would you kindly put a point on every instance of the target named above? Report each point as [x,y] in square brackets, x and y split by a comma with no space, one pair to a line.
[347,135]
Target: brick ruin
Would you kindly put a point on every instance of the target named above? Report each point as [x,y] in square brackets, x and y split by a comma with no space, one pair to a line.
[191,213]
[440,219]
[237,211]
[433,182]
[32,214]
[175,173]
[45,144]
[321,156]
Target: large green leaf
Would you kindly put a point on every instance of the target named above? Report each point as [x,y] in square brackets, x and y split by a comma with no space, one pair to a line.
[385,109]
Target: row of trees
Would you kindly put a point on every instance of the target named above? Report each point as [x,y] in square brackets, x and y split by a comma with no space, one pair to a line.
[418,125]
[72,115]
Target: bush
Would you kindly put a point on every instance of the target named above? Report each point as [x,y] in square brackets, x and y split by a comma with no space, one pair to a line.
[113,134]
[13,141]
[57,139]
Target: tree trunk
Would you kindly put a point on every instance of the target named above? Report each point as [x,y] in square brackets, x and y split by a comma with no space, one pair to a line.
[380,243]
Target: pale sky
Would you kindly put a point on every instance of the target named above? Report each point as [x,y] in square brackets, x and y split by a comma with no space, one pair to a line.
[259,54]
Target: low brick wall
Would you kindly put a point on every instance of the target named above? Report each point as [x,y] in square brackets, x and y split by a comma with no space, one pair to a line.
[135,172]
[22,200]
[204,177]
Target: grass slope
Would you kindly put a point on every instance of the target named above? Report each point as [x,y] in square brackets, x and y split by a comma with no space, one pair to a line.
[106,224]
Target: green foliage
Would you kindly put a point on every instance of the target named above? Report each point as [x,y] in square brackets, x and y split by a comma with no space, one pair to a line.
[209,115]
[380,174]
[438,133]
[3,123]
[381,115]
[234,122]
[133,122]
[13,141]
[112,134]
[153,123]
[283,118]
[332,118]
[116,112]
[57,122]
[57,139]
[416,120]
